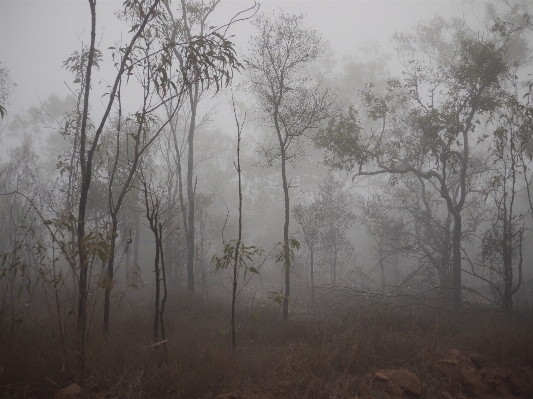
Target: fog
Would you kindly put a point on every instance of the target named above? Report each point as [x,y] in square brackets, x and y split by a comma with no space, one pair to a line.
[285,199]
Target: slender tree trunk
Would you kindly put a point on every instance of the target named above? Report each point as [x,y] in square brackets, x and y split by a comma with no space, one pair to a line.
[238,245]
[169,260]
[157,288]
[165,293]
[286,237]
[110,273]
[183,208]
[334,268]
[82,206]
[444,266]
[190,191]
[136,240]
[456,269]
[312,280]
[128,255]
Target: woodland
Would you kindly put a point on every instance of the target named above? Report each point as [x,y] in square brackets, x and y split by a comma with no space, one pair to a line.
[272,222]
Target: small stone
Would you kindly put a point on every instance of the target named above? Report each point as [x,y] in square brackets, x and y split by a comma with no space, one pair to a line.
[381,376]
[405,379]
[73,391]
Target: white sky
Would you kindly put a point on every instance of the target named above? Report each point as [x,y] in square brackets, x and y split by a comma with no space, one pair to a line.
[36,36]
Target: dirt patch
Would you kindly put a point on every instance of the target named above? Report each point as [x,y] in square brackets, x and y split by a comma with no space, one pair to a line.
[458,376]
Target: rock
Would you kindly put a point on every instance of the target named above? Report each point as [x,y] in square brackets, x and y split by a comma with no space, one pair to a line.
[446,395]
[472,381]
[73,391]
[381,376]
[394,389]
[363,389]
[405,379]
[455,353]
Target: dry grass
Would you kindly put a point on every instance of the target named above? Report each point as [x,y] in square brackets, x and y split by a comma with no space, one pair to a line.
[311,356]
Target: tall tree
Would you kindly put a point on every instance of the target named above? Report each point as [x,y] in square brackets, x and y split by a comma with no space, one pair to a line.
[502,241]
[193,23]
[207,58]
[427,123]
[290,101]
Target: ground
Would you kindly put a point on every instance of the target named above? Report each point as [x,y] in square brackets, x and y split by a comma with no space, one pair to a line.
[353,349]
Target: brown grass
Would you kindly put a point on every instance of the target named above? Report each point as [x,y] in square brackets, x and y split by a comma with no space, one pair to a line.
[311,356]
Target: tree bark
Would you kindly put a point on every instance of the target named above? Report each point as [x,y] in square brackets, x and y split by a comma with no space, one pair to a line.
[286,237]
[190,191]
[82,206]
[312,280]
[110,273]
[137,239]
[334,268]
[456,269]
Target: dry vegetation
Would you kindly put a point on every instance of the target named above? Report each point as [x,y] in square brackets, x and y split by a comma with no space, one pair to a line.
[322,356]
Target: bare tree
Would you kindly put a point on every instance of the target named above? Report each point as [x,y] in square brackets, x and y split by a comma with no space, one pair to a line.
[154,203]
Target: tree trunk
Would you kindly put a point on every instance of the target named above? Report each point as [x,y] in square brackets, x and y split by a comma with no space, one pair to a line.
[168,258]
[444,282]
[157,287]
[165,293]
[507,300]
[312,280]
[190,191]
[456,269]
[136,241]
[286,237]
[334,267]
[444,266]
[128,254]
[82,206]
[110,273]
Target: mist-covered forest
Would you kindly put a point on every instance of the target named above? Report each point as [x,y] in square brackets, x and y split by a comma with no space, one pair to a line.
[232,209]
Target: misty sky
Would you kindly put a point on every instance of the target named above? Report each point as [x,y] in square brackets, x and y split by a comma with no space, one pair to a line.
[36,36]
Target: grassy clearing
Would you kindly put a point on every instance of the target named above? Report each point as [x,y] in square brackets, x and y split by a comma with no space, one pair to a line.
[313,356]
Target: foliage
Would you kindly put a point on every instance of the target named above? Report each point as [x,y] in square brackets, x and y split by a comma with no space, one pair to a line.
[293,244]
[245,255]
[6,89]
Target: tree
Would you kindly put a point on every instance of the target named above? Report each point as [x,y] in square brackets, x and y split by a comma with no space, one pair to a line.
[502,241]
[335,217]
[306,215]
[6,89]
[235,253]
[194,24]
[408,217]
[154,203]
[324,223]
[291,102]
[209,59]
[377,214]
[426,124]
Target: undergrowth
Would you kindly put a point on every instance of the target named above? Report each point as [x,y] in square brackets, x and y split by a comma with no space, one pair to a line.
[315,354]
